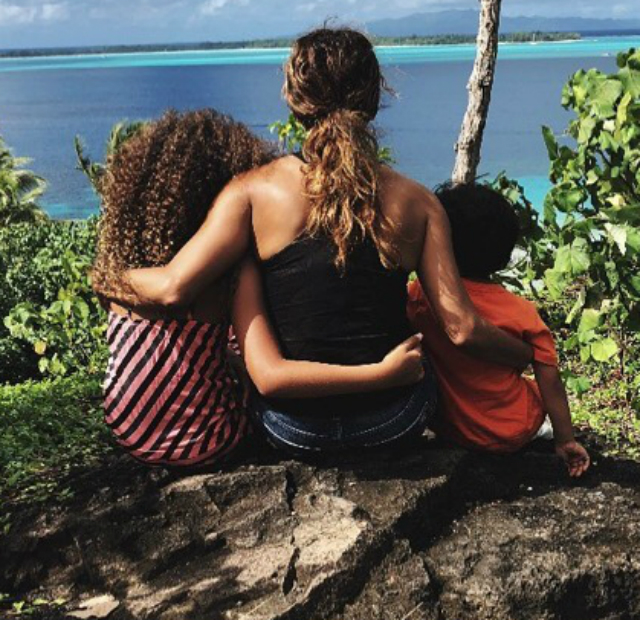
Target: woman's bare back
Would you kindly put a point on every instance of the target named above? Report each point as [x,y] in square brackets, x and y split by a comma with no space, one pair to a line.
[280,209]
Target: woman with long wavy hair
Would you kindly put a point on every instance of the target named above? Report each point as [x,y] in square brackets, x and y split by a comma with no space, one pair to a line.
[335,234]
[170,396]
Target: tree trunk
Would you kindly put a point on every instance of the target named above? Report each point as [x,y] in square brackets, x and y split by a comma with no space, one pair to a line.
[479,87]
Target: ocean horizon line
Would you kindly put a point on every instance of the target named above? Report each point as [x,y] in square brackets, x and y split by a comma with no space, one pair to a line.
[250,50]
[586,47]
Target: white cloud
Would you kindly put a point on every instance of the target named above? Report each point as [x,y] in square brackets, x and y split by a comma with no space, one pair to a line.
[212,7]
[624,10]
[307,7]
[55,11]
[48,12]
[16,14]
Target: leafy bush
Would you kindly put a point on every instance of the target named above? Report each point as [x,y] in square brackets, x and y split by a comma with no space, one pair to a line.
[588,255]
[46,428]
[604,412]
[52,323]
[47,303]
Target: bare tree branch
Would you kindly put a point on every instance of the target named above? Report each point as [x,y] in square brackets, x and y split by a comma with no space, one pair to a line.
[480,84]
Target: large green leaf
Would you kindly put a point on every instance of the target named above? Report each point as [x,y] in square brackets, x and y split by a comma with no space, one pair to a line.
[589,320]
[550,142]
[573,259]
[567,198]
[633,239]
[605,95]
[603,350]
[635,283]
[630,78]
[586,129]
[555,283]
[618,234]
[579,385]
[549,211]
[623,109]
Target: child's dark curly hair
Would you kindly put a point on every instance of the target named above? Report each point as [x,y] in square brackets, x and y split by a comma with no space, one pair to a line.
[159,186]
[484,228]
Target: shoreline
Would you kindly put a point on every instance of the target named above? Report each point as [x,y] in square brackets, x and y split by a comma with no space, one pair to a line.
[34,54]
[155,53]
[275,50]
[249,51]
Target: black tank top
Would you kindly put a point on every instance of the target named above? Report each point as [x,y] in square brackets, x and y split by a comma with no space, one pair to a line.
[321,314]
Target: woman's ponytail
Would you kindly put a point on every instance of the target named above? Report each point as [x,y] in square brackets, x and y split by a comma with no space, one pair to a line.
[341,179]
[333,87]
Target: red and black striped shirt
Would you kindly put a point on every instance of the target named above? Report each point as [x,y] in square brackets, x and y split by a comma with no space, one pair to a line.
[168,394]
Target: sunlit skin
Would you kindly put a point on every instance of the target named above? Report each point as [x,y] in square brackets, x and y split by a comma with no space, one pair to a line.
[556,404]
[267,208]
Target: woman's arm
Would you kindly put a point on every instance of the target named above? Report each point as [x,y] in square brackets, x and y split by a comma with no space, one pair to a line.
[221,241]
[275,376]
[441,282]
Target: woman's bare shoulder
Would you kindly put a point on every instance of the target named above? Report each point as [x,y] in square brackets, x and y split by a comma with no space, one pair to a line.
[245,184]
[267,172]
[409,191]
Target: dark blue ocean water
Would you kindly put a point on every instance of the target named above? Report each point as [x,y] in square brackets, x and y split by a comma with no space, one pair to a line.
[44,103]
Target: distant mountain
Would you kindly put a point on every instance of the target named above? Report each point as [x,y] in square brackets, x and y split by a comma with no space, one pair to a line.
[466,22]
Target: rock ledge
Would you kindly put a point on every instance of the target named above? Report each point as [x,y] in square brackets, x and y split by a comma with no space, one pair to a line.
[434,534]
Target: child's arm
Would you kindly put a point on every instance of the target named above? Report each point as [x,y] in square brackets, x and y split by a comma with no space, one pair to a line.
[554,399]
[275,376]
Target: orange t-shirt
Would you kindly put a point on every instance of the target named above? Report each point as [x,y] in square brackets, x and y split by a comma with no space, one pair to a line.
[485,405]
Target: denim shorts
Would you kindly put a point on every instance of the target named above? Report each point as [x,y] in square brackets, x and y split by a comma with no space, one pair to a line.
[401,421]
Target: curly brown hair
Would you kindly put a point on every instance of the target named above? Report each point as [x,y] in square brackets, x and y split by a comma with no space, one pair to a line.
[333,85]
[159,186]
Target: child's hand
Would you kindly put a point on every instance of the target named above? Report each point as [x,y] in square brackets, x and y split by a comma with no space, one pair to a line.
[575,457]
[403,365]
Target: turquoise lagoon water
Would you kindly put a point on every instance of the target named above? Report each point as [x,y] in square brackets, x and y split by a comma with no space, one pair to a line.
[45,102]
[585,48]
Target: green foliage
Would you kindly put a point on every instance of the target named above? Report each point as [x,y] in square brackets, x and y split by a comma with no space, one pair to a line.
[46,429]
[119,134]
[527,255]
[385,155]
[291,136]
[50,314]
[50,320]
[603,411]
[588,257]
[33,608]
[20,190]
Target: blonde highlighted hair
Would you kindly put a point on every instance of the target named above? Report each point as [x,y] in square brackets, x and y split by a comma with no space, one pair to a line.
[333,85]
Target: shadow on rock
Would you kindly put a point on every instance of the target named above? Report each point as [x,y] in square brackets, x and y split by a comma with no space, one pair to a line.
[427,533]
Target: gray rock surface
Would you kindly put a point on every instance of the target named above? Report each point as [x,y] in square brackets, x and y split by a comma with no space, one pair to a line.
[427,534]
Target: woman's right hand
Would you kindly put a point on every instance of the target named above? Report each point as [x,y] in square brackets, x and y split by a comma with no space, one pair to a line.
[403,365]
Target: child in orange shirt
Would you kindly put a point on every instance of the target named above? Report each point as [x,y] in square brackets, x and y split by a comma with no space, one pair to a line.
[484,405]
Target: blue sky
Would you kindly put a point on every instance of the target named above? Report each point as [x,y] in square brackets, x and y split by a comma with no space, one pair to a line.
[41,23]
